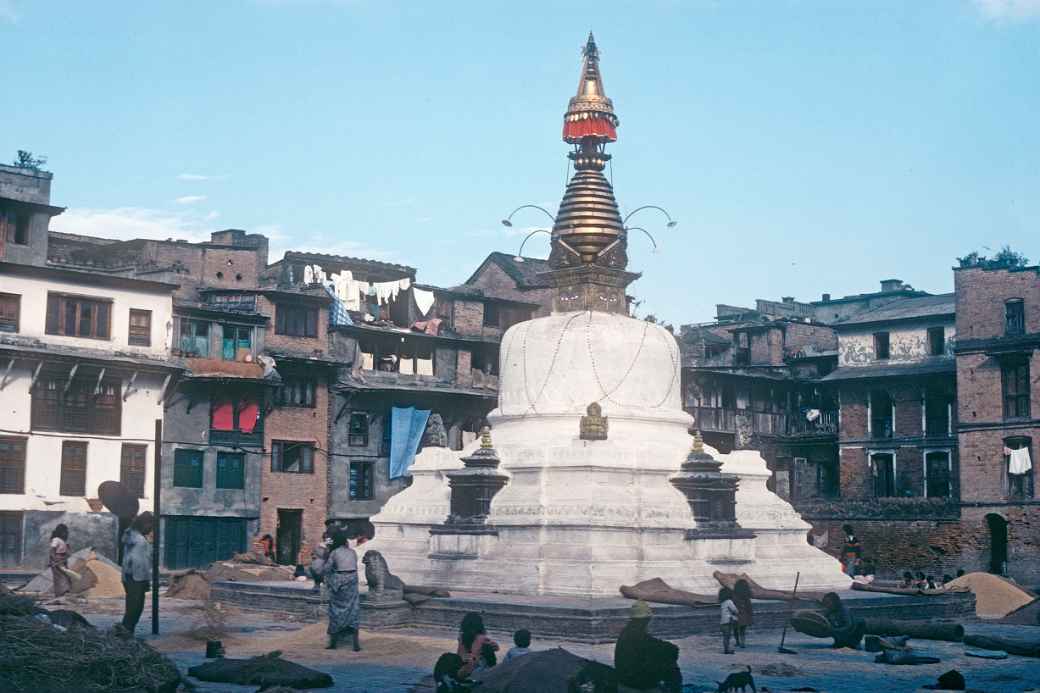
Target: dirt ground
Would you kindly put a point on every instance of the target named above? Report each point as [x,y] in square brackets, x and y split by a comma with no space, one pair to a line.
[395,661]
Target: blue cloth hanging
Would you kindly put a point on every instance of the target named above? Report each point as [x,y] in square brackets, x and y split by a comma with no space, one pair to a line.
[407,425]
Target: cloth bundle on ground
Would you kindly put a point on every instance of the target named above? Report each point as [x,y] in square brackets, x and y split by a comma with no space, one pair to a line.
[63,653]
[759,592]
[811,623]
[911,591]
[929,630]
[905,657]
[995,597]
[658,591]
[98,577]
[265,671]
[551,671]
[1025,646]
[877,643]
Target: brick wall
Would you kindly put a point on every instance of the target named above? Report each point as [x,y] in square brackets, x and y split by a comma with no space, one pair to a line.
[225,268]
[306,492]
[495,282]
[932,546]
[281,342]
[468,318]
[802,337]
[464,368]
[981,295]
[767,347]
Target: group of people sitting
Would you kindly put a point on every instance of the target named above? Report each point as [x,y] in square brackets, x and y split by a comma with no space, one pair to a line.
[476,652]
[921,581]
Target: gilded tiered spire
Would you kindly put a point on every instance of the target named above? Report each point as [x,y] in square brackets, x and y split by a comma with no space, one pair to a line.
[588,228]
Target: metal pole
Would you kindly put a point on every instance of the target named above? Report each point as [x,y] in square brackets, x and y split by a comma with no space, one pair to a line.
[156,499]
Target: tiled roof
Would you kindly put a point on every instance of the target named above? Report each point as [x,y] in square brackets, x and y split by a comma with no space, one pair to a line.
[906,309]
[930,366]
[525,272]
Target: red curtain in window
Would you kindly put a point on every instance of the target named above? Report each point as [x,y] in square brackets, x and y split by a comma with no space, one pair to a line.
[223,416]
[247,416]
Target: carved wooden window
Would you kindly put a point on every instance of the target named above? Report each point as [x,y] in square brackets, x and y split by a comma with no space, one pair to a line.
[187,468]
[1014,375]
[362,480]
[357,430]
[291,457]
[10,306]
[78,316]
[296,321]
[12,465]
[73,468]
[133,469]
[140,327]
[1014,317]
[231,470]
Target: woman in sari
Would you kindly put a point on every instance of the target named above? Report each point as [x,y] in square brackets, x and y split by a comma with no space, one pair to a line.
[476,649]
[341,581]
[59,559]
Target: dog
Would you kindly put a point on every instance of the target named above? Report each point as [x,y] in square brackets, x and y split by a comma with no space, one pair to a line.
[739,680]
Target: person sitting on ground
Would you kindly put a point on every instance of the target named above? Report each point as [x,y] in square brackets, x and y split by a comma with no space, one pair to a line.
[446,674]
[729,618]
[946,579]
[59,560]
[960,572]
[908,579]
[642,661]
[847,631]
[522,642]
[930,583]
[919,580]
[474,645]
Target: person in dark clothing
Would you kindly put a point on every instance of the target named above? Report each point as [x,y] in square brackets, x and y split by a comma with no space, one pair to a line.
[847,631]
[642,661]
[851,551]
[745,615]
[137,571]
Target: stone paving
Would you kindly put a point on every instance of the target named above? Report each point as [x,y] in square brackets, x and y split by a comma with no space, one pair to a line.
[394,661]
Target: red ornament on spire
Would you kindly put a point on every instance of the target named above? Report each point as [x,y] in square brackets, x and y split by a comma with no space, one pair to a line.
[590,113]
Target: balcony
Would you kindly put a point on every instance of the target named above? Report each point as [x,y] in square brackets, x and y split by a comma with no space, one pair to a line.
[236,438]
[724,420]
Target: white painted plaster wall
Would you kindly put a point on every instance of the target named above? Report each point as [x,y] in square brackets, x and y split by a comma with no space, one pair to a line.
[906,344]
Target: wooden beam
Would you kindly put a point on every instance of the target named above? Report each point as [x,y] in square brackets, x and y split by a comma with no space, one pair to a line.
[7,373]
[68,381]
[97,385]
[36,375]
[165,384]
[130,386]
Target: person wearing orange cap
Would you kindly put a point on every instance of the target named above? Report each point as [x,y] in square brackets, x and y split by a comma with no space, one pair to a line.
[642,661]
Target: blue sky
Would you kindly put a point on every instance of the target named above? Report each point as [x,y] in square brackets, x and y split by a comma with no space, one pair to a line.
[805,147]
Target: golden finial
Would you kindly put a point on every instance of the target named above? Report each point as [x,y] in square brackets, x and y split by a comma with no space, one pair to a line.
[485,438]
[698,444]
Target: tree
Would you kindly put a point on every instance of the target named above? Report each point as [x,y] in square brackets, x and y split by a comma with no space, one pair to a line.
[1005,259]
[27,160]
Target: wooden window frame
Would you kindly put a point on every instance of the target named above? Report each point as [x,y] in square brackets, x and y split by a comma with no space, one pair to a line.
[1014,316]
[138,335]
[936,338]
[77,410]
[178,480]
[12,464]
[15,224]
[307,388]
[9,323]
[278,456]
[1023,487]
[191,325]
[882,346]
[296,320]
[356,438]
[366,474]
[492,315]
[238,331]
[135,480]
[875,475]
[58,315]
[949,473]
[239,480]
[1015,388]
[73,478]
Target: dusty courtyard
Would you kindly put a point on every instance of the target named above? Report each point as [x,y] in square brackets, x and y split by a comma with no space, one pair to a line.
[395,661]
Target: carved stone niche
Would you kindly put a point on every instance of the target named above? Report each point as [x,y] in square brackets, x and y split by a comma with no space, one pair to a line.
[711,495]
[593,425]
[472,489]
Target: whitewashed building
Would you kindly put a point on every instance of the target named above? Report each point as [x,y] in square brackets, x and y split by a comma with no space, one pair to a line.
[84,368]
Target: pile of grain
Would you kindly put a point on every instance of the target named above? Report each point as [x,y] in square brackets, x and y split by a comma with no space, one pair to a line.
[99,577]
[995,597]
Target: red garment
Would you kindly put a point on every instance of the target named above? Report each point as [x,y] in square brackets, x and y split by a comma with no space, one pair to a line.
[224,416]
[247,417]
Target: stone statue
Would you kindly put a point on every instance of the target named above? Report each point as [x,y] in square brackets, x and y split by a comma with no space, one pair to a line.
[593,424]
[382,584]
[435,436]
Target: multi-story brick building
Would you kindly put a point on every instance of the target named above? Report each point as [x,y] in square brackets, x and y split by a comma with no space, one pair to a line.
[998,333]
[84,373]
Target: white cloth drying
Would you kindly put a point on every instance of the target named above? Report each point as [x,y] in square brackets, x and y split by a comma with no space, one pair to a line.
[1019,462]
[423,301]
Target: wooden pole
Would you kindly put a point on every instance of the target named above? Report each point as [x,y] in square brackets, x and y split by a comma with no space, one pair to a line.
[157,500]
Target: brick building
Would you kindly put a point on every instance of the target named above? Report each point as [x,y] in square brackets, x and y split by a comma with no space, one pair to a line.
[514,278]
[998,327]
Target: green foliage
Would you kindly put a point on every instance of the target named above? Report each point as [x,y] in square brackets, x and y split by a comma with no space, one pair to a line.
[1005,259]
[26,159]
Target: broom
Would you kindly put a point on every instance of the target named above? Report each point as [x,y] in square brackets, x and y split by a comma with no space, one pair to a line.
[783,636]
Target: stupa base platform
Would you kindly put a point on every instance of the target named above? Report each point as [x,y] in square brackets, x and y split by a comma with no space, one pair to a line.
[576,619]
